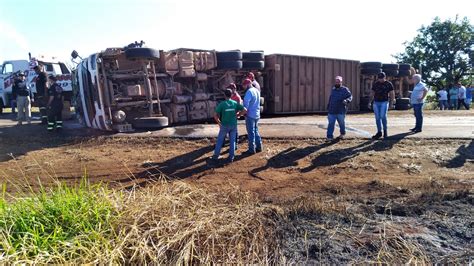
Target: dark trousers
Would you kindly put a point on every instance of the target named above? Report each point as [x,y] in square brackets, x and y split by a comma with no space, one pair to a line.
[418,108]
[462,102]
[55,120]
[42,101]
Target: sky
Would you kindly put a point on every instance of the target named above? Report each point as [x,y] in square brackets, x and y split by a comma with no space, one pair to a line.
[364,30]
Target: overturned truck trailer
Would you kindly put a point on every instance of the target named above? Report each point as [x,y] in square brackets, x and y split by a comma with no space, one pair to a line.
[120,89]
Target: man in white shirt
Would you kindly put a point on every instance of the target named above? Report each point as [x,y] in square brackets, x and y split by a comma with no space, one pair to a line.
[443,99]
[255,84]
[417,100]
[461,96]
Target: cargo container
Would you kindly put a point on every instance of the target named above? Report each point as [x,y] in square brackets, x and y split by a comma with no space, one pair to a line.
[302,84]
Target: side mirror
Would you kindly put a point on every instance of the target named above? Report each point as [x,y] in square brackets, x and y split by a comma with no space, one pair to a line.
[75,54]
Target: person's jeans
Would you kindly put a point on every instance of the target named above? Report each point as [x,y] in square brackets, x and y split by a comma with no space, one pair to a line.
[418,109]
[24,108]
[332,121]
[380,111]
[462,102]
[255,141]
[443,104]
[236,137]
[224,131]
[453,104]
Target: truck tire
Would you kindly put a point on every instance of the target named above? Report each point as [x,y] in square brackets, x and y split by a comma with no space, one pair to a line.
[142,53]
[253,65]
[151,122]
[229,56]
[403,101]
[371,65]
[404,73]
[370,71]
[229,64]
[1,107]
[253,56]
[391,73]
[389,67]
[402,106]
[404,67]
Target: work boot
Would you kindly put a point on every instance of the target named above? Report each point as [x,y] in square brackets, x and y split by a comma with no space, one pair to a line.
[385,134]
[377,136]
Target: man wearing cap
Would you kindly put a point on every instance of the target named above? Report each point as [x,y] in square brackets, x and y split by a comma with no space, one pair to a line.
[236,97]
[226,114]
[54,105]
[252,104]
[41,92]
[255,84]
[21,92]
[417,100]
[337,107]
[382,90]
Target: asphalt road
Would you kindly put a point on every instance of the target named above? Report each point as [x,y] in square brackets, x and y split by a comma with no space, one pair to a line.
[437,124]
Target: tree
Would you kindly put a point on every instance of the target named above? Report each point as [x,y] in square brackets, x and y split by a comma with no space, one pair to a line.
[444,50]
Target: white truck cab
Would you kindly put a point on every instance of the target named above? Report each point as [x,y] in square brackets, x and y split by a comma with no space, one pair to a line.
[51,66]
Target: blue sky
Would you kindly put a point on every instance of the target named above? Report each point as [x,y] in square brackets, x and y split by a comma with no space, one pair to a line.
[362,30]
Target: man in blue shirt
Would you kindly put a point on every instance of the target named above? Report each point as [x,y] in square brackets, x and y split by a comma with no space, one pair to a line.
[337,108]
[469,92]
[252,104]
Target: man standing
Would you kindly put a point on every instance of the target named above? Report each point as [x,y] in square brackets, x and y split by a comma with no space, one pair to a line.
[54,105]
[417,100]
[21,92]
[337,108]
[226,116]
[461,96]
[42,92]
[469,92]
[443,99]
[453,97]
[236,97]
[252,104]
[255,84]
[380,93]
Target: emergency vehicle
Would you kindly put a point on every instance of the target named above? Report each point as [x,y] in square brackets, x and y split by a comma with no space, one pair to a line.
[11,68]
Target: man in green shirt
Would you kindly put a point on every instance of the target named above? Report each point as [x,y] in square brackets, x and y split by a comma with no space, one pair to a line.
[226,116]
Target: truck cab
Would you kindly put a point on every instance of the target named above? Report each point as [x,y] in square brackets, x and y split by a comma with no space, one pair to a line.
[10,68]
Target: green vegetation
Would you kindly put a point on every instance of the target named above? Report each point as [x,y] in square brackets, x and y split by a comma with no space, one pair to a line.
[444,49]
[64,224]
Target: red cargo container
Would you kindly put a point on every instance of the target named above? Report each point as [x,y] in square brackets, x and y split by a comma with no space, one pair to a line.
[302,84]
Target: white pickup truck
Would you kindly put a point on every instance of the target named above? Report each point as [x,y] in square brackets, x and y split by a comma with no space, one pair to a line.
[10,68]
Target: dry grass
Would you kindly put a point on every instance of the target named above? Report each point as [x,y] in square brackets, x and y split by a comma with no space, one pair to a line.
[163,223]
[175,223]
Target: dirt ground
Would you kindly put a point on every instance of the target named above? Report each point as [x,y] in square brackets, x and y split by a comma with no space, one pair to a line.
[358,200]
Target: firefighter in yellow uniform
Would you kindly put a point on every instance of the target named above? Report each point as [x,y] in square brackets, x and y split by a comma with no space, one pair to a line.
[55,105]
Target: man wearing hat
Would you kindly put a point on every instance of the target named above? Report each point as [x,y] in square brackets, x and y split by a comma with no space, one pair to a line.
[337,108]
[54,105]
[382,92]
[21,92]
[252,104]
[226,114]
